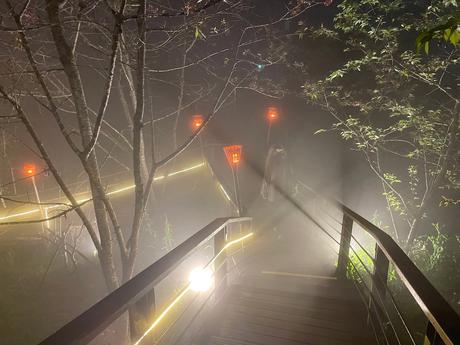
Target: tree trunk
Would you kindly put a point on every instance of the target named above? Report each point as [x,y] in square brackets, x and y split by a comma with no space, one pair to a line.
[68,62]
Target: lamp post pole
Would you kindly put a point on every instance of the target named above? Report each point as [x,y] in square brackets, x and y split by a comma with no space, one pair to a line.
[30,170]
[197,122]
[272,116]
[44,213]
[236,186]
[268,133]
[233,155]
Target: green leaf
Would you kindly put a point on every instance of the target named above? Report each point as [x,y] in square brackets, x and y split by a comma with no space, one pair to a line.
[448,30]
[199,34]
[447,34]
[455,37]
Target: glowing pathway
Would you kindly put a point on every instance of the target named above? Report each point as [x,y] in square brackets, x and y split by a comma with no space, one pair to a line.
[114,192]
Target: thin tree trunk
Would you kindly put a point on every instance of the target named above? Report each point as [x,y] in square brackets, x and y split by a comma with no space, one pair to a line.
[91,166]
[440,178]
[127,109]
[138,119]
[181,92]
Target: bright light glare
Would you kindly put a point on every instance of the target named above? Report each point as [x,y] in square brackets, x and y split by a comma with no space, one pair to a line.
[200,279]
[195,276]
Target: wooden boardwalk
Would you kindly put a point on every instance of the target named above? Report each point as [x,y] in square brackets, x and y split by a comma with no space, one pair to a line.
[326,314]
[270,305]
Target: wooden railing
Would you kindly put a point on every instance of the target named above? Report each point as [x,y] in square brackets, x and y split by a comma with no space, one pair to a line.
[96,319]
[443,321]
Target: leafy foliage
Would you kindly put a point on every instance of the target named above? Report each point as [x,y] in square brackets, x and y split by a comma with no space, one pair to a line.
[396,107]
[449,31]
[400,110]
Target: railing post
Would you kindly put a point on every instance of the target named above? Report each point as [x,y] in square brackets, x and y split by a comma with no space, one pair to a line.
[345,239]
[379,283]
[220,265]
[380,278]
[431,336]
[140,313]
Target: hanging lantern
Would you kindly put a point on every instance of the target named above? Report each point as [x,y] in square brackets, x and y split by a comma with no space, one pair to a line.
[29,169]
[197,122]
[272,114]
[233,154]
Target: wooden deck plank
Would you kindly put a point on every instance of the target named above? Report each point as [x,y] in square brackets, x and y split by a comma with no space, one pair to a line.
[296,308]
[300,323]
[308,334]
[253,316]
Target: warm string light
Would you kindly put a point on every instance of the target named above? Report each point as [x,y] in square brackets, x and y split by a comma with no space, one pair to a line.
[187,289]
[114,192]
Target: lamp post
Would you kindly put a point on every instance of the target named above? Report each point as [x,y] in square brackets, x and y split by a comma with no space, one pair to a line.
[233,155]
[30,170]
[196,123]
[272,116]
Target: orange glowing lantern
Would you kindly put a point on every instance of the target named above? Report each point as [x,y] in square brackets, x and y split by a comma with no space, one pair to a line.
[197,122]
[29,169]
[273,114]
[233,154]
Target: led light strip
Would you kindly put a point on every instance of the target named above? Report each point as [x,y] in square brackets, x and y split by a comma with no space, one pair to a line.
[114,192]
[225,192]
[163,314]
[187,289]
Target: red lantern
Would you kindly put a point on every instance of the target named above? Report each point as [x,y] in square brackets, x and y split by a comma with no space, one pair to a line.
[197,122]
[272,114]
[233,154]
[29,169]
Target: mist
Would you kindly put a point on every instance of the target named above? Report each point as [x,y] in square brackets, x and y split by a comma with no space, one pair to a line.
[128,128]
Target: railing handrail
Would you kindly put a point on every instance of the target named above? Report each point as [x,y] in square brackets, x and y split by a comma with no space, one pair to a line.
[442,316]
[439,312]
[93,321]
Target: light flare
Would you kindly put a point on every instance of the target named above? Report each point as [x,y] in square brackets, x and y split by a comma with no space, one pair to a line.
[189,288]
[200,279]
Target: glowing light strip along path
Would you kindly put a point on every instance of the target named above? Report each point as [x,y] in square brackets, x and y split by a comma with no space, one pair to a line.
[187,289]
[225,192]
[114,192]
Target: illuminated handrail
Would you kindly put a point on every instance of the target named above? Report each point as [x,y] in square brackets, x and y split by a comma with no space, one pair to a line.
[92,322]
